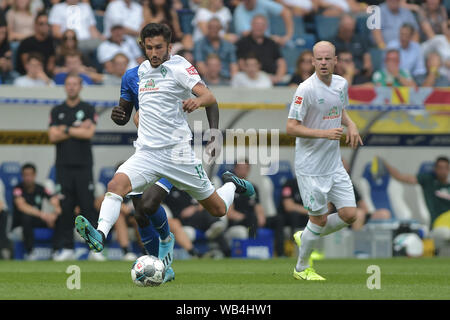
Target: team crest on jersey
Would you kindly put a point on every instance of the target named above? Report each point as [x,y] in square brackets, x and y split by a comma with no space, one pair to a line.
[298,100]
[192,71]
[163,71]
[333,113]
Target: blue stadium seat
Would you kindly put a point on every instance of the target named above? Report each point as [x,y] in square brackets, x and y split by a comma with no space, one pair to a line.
[427,167]
[290,54]
[185,17]
[277,26]
[106,174]
[10,173]
[99,22]
[279,179]
[376,56]
[52,173]
[326,27]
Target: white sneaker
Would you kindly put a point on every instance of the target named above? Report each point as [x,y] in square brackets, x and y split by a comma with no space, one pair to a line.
[64,255]
[130,256]
[96,256]
[33,256]
[216,229]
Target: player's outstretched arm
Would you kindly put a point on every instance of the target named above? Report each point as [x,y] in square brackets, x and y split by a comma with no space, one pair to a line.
[121,114]
[297,129]
[353,137]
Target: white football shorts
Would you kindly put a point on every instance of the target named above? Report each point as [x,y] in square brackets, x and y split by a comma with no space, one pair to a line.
[317,191]
[177,164]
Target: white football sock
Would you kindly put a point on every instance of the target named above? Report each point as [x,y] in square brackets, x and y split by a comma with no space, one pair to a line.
[109,212]
[226,192]
[309,240]
[334,223]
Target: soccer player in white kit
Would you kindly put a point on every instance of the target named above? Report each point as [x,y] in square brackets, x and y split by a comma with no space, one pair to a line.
[163,147]
[316,116]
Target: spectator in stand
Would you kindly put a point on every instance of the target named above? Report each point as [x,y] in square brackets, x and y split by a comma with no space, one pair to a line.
[267,50]
[300,8]
[335,8]
[41,42]
[252,76]
[303,68]
[68,45]
[346,68]
[433,19]
[74,65]
[35,76]
[6,65]
[213,66]
[79,16]
[213,43]
[411,57]
[433,77]
[436,191]
[188,55]
[28,200]
[247,10]
[392,18]
[119,43]
[347,40]
[129,13]
[214,9]
[392,75]
[119,65]
[161,11]
[193,216]
[20,20]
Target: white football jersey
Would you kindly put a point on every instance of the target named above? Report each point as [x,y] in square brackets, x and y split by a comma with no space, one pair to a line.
[319,106]
[162,121]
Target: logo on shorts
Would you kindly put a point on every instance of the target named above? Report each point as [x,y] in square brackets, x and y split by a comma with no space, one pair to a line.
[298,100]
[192,71]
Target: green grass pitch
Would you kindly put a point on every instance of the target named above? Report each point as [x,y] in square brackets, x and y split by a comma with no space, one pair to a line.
[236,279]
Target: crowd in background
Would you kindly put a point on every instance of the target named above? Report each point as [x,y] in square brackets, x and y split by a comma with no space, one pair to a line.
[231,43]
[240,43]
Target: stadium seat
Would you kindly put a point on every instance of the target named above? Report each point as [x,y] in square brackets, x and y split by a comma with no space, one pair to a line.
[290,54]
[376,56]
[185,17]
[326,27]
[106,174]
[381,191]
[277,26]
[279,179]
[10,173]
[99,21]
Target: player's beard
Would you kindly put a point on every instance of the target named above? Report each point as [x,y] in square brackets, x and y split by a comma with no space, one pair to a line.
[157,62]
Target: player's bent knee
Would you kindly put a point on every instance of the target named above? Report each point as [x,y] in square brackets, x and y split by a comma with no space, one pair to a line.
[348,214]
[120,185]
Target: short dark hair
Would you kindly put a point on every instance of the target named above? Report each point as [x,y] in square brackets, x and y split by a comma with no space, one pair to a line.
[36,56]
[441,158]
[41,13]
[252,55]
[29,165]
[155,29]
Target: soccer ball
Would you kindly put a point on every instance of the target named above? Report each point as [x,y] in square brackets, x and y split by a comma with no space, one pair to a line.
[148,271]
